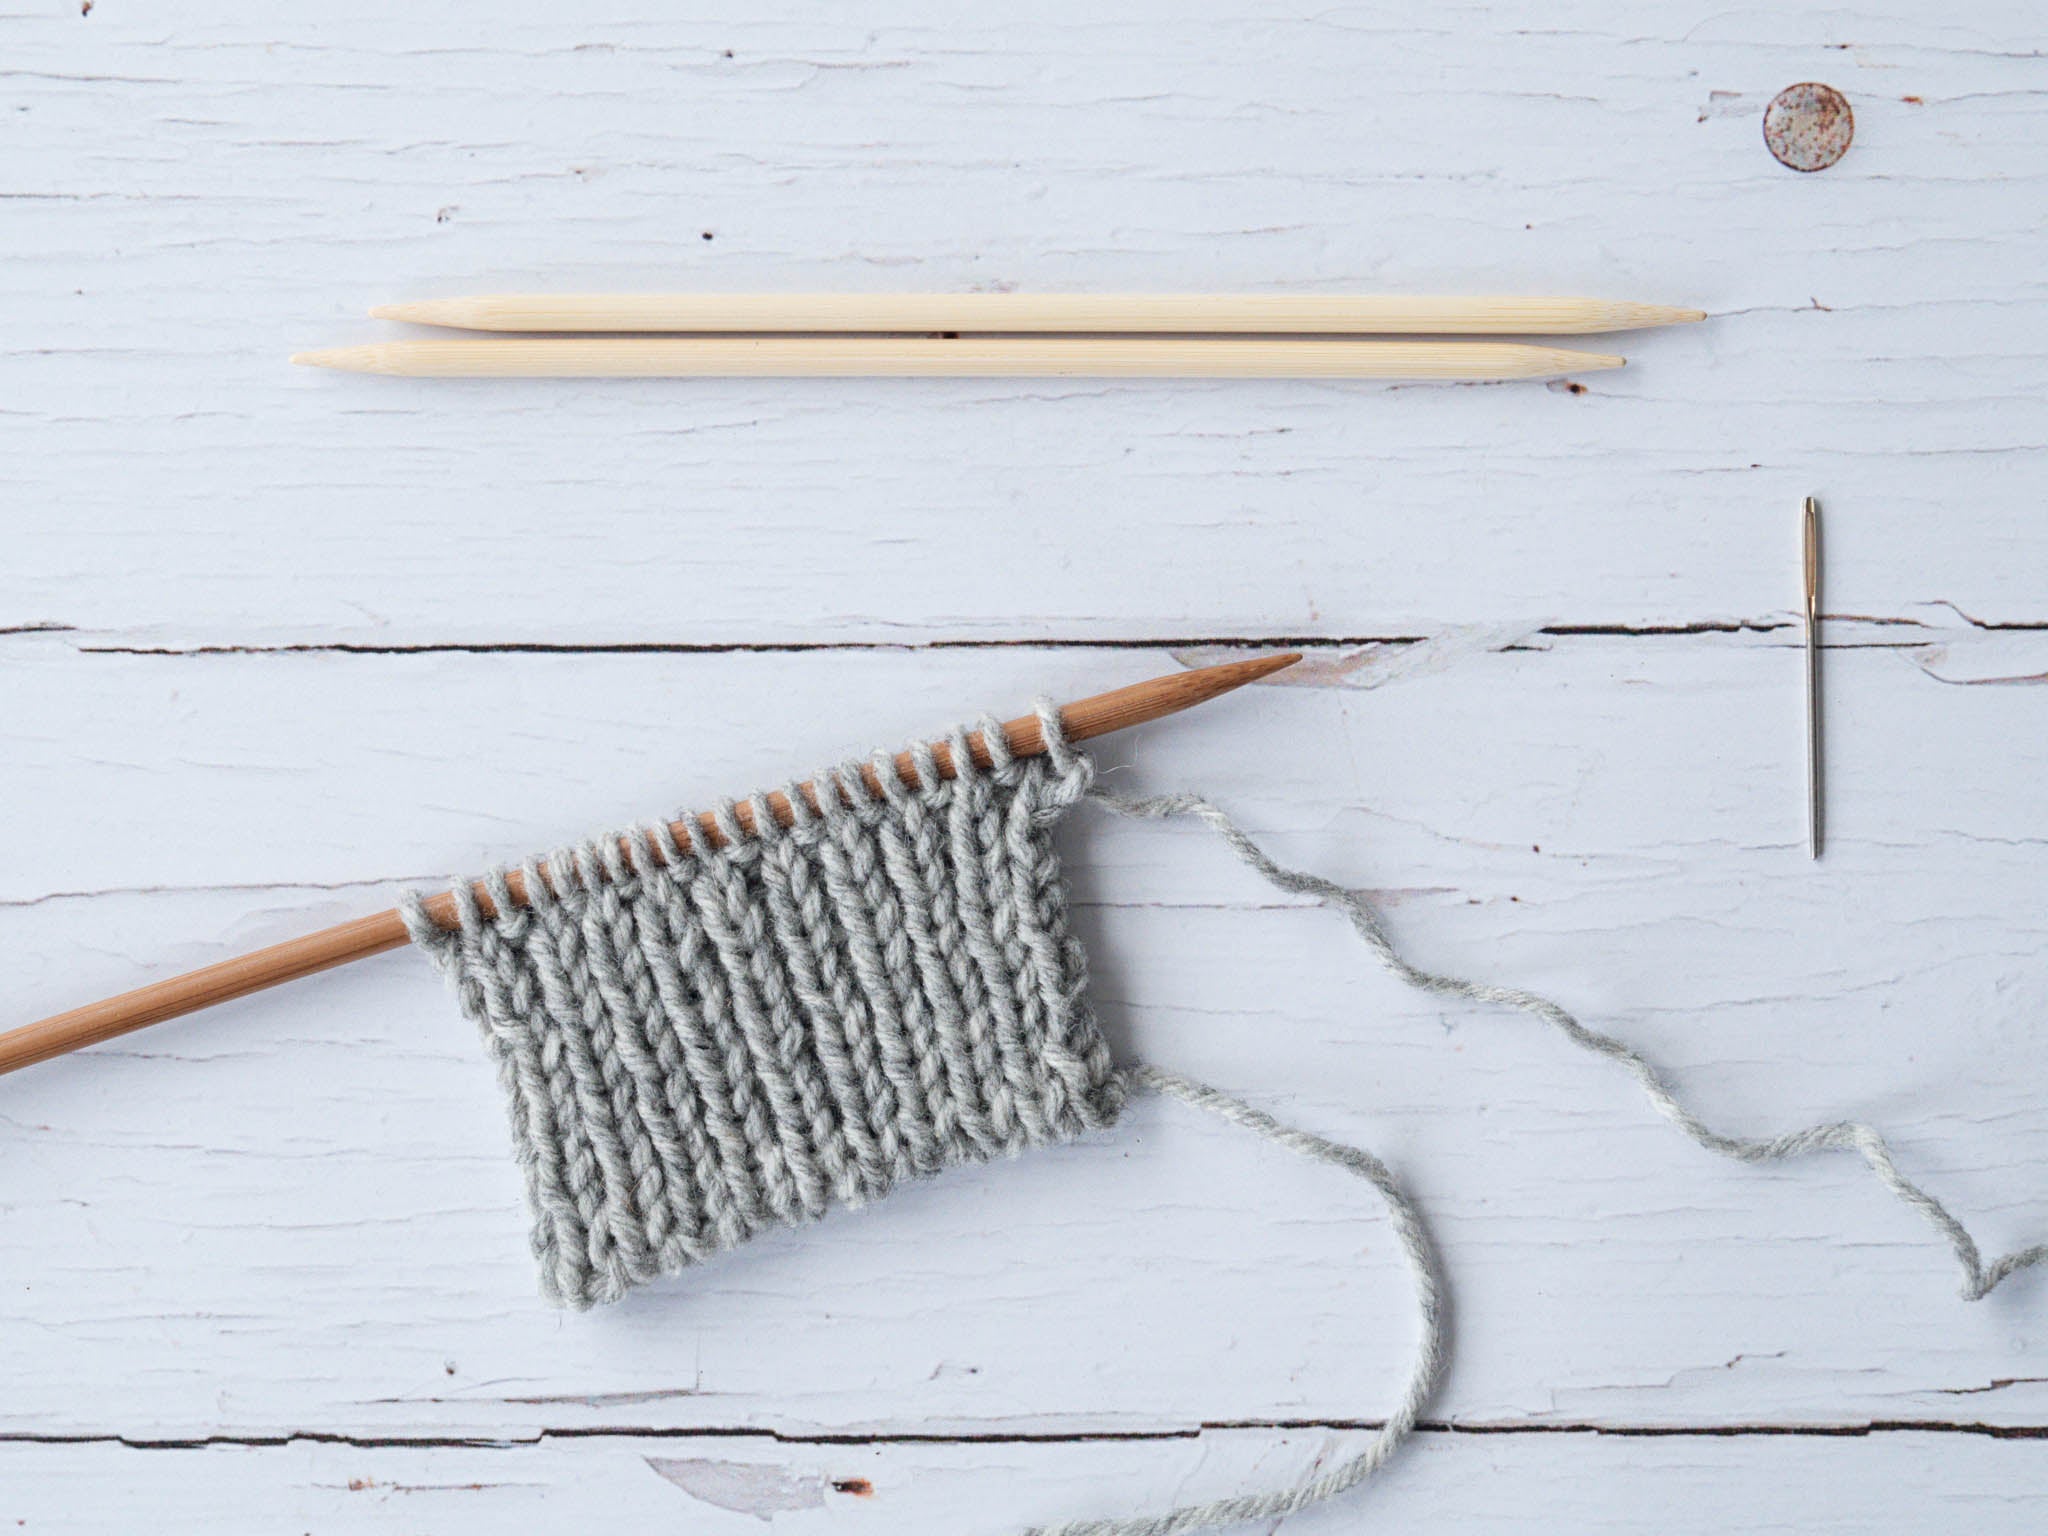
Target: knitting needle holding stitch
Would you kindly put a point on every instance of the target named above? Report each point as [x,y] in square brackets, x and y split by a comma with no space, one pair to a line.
[373,935]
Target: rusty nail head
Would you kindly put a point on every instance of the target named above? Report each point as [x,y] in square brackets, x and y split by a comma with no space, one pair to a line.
[1808,126]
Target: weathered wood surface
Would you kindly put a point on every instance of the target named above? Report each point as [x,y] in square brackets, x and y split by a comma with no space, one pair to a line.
[276,644]
[1700,1485]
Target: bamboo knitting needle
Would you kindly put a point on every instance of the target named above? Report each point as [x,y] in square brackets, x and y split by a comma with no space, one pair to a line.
[218,983]
[1273,314]
[644,357]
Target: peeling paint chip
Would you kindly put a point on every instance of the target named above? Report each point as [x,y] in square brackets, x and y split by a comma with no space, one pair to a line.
[745,1487]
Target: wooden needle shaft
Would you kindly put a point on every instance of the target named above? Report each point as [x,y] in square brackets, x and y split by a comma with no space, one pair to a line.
[1073,313]
[365,936]
[1122,357]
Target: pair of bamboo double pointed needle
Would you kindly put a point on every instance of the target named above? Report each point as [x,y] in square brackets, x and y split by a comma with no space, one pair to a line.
[996,335]
[227,979]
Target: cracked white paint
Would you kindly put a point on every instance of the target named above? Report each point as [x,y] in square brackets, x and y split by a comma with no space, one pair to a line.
[760,1489]
[1691,1485]
[1555,724]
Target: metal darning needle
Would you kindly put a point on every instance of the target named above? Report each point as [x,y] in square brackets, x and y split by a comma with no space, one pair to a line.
[1812,543]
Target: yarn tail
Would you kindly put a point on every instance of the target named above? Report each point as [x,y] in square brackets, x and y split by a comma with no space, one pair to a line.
[1429,1354]
[1979,1278]
[1841,1135]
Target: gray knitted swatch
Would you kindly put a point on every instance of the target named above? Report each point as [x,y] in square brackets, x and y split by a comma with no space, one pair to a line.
[700,1043]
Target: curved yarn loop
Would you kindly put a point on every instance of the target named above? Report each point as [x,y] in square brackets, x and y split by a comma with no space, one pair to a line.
[1429,1351]
[1840,1135]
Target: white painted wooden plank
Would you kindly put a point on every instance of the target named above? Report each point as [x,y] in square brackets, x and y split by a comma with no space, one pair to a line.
[187,203]
[322,768]
[297,1214]
[1535,1483]
[325,1165]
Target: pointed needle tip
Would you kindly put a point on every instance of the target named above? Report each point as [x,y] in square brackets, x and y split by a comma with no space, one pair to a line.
[345,359]
[1235,674]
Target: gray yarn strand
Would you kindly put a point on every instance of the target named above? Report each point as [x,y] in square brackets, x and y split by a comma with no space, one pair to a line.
[1429,1352]
[1839,1135]
[1979,1278]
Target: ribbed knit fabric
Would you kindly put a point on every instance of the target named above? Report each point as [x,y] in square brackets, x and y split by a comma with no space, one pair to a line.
[699,1043]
